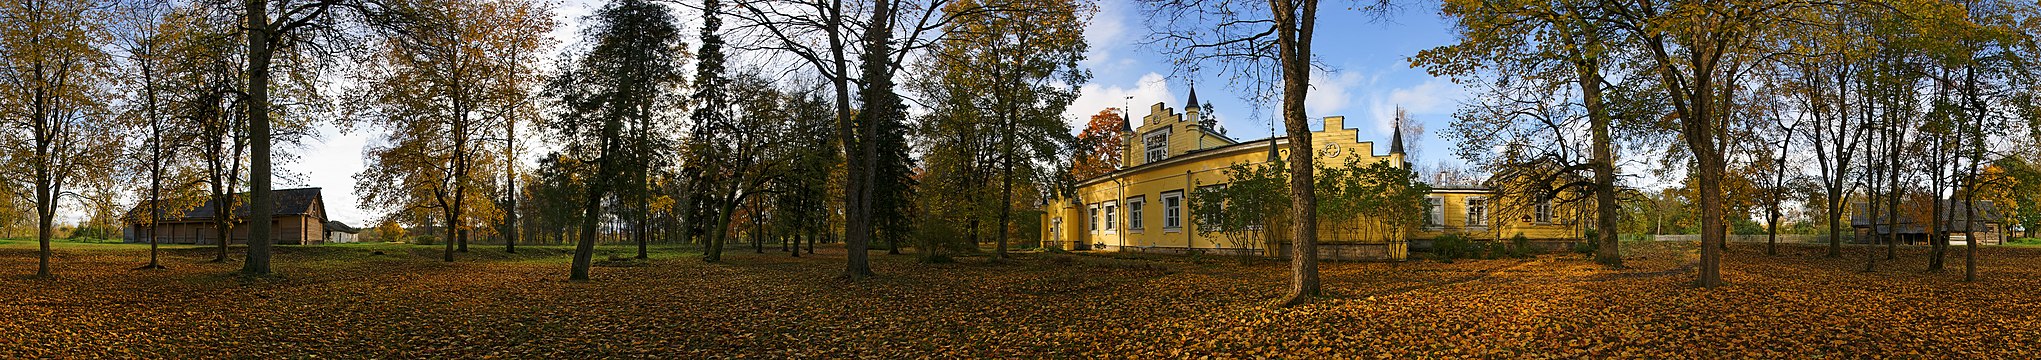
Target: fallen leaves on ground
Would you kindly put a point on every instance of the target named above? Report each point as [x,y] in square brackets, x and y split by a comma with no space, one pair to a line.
[347,303]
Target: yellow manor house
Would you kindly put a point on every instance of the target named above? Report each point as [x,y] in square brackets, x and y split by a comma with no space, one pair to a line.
[1144,206]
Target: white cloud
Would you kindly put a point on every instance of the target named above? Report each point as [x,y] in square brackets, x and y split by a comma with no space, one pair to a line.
[1329,91]
[1108,36]
[1435,97]
[1092,98]
[330,163]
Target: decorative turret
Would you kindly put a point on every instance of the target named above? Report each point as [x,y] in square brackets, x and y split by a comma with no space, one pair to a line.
[1396,135]
[1192,105]
[1396,140]
[1273,155]
[1126,125]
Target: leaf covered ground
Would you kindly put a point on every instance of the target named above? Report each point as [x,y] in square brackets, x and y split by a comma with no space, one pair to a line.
[348,302]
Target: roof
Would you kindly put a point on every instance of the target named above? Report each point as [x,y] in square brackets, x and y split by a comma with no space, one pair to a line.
[336,225]
[1193,102]
[1396,140]
[1951,209]
[300,201]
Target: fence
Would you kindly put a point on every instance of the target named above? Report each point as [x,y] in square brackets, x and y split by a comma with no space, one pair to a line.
[1783,238]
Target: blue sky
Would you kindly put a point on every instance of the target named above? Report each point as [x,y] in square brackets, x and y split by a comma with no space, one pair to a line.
[1369,75]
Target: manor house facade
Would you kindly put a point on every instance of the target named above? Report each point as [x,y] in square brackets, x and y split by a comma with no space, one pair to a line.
[1145,205]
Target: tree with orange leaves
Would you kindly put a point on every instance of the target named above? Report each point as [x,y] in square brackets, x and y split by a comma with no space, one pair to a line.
[1099,146]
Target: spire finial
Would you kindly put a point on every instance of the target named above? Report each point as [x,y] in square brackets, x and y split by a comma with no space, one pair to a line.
[1396,136]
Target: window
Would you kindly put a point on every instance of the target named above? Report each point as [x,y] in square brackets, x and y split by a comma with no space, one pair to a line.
[1172,210]
[1434,212]
[1477,212]
[1157,145]
[1056,229]
[1110,224]
[1215,218]
[1094,218]
[1134,213]
[1543,213]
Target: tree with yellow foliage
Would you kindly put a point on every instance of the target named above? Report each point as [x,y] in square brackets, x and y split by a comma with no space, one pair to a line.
[437,86]
[52,73]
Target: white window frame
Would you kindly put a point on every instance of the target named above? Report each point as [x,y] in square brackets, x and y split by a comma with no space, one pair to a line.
[1542,213]
[1172,214]
[1094,219]
[1150,151]
[1477,212]
[1135,212]
[1056,229]
[1111,209]
[1435,212]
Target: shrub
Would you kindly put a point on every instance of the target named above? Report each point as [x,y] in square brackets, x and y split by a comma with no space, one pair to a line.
[94,232]
[1493,250]
[1587,247]
[1452,246]
[937,241]
[1587,244]
[1520,247]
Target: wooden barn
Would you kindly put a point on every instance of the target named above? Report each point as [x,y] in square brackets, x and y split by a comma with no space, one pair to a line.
[300,219]
[1912,227]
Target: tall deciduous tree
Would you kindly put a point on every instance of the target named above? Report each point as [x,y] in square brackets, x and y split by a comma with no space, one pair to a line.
[303,31]
[630,70]
[1099,147]
[711,114]
[1268,45]
[1533,49]
[1701,53]
[205,74]
[142,41]
[1017,70]
[51,77]
[437,86]
[828,37]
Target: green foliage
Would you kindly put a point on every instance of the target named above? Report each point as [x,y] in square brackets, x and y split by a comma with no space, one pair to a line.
[94,232]
[1387,195]
[1447,247]
[1245,208]
[1746,226]
[1588,244]
[1520,247]
[937,241]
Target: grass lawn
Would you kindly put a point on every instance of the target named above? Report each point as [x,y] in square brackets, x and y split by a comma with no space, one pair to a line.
[346,301]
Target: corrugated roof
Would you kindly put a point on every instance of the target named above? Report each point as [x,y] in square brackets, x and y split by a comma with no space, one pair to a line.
[300,201]
[1951,210]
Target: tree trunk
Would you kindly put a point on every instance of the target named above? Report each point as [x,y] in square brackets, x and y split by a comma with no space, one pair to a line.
[510,187]
[1606,238]
[1895,193]
[757,234]
[1006,186]
[447,236]
[45,214]
[862,148]
[261,203]
[155,156]
[1295,21]
[584,247]
[644,206]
